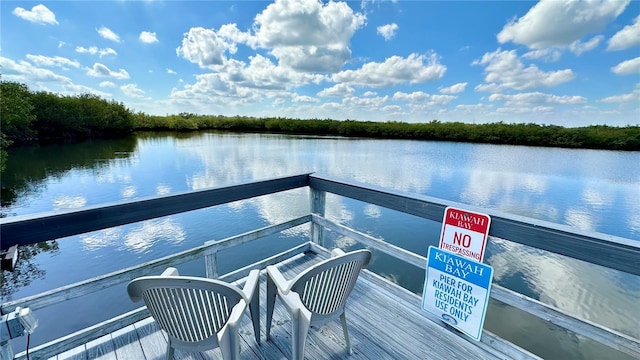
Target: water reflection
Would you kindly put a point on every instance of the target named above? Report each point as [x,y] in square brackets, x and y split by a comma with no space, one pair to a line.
[99,239]
[29,165]
[151,232]
[585,290]
[162,189]
[26,270]
[69,202]
[128,191]
[137,238]
[588,190]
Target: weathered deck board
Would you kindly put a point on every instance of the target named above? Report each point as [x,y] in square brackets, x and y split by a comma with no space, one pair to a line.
[101,349]
[152,340]
[127,343]
[381,326]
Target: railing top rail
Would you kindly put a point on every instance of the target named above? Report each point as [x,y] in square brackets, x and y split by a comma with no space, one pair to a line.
[602,249]
[596,248]
[34,228]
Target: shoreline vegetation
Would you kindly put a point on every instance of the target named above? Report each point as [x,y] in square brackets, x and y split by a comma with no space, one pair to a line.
[27,116]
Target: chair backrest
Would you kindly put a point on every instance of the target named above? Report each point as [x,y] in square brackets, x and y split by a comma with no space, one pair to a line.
[190,309]
[325,287]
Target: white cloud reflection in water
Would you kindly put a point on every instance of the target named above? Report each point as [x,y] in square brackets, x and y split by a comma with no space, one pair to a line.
[591,292]
[138,239]
[144,236]
[69,202]
[99,239]
[128,191]
[162,189]
[372,211]
[579,219]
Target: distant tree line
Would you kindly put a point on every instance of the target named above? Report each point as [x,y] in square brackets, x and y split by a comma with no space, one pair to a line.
[592,137]
[44,116]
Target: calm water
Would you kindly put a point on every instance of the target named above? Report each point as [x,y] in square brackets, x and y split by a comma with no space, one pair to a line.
[586,189]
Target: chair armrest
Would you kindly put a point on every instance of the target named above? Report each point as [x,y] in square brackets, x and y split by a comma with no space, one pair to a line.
[251,284]
[236,313]
[278,279]
[170,271]
[337,252]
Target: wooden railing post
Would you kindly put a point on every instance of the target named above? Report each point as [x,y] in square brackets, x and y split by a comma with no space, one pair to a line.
[211,263]
[317,207]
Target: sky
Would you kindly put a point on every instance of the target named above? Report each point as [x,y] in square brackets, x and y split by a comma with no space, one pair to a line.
[568,63]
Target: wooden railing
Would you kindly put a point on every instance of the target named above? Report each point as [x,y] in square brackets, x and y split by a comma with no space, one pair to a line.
[605,250]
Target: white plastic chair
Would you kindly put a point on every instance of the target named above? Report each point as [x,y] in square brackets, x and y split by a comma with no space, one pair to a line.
[197,313]
[316,295]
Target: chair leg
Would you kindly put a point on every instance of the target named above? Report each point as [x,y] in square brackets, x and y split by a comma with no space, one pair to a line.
[343,318]
[301,320]
[229,344]
[271,301]
[254,309]
[169,351]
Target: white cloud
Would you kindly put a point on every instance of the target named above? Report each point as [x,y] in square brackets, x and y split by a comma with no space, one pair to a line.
[39,14]
[106,33]
[132,90]
[304,35]
[537,98]
[90,50]
[148,37]
[107,84]
[505,70]
[204,47]
[395,70]
[370,93]
[101,70]
[94,50]
[52,61]
[338,90]
[627,67]
[424,98]
[547,55]
[516,110]
[453,89]
[474,108]
[25,72]
[623,98]
[628,37]
[365,102]
[578,47]
[303,99]
[392,108]
[387,31]
[41,79]
[559,23]
[232,33]
[107,51]
[308,35]
[171,72]
[238,81]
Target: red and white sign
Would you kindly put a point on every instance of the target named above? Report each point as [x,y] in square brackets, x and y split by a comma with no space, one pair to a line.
[465,233]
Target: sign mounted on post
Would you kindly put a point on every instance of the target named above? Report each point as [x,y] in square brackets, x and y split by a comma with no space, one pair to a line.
[465,233]
[456,290]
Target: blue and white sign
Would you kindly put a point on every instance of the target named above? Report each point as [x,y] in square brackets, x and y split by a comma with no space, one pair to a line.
[456,289]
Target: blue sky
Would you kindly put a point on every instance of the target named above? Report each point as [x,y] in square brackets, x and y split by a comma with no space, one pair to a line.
[570,63]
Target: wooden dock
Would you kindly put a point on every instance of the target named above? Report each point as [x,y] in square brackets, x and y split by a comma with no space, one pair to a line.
[385,322]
